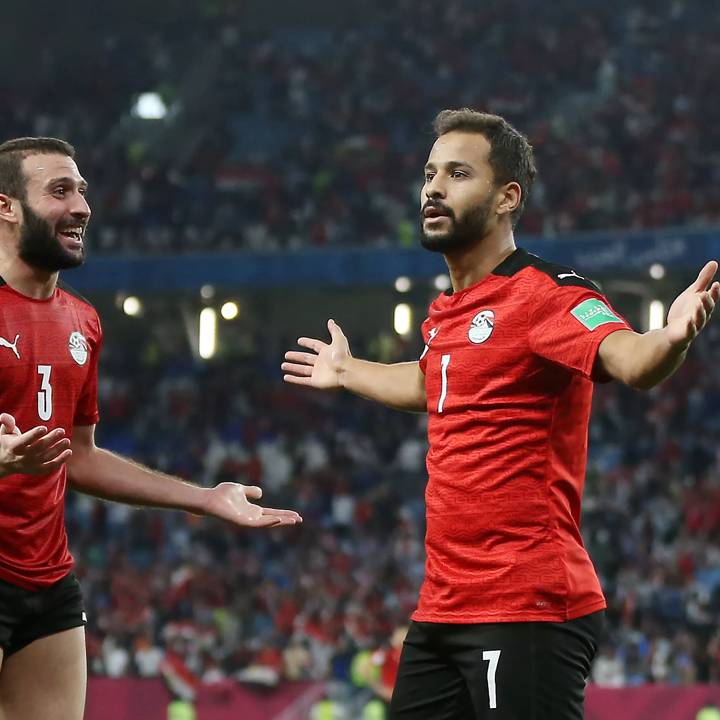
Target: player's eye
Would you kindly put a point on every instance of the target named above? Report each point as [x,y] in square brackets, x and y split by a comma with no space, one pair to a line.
[429,177]
[60,191]
[458,174]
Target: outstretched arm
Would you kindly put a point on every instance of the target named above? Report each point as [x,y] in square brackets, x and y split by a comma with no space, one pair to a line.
[99,472]
[330,366]
[644,360]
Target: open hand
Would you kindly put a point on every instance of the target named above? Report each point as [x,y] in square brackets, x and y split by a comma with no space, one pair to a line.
[321,368]
[35,452]
[231,501]
[692,309]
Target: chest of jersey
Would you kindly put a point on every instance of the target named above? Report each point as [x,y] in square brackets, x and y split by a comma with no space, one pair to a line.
[477,353]
[44,360]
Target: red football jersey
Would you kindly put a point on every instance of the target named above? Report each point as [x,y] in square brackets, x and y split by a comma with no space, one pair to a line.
[508,369]
[48,361]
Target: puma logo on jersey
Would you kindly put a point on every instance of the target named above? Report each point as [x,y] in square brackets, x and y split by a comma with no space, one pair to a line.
[12,346]
[481,327]
[561,276]
[432,332]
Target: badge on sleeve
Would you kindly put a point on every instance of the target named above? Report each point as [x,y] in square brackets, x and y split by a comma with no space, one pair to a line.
[593,313]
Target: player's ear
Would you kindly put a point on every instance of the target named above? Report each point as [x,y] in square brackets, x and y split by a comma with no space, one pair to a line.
[509,198]
[9,210]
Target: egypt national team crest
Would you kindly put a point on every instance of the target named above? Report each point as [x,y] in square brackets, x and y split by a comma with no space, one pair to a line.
[78,347]
[481,326]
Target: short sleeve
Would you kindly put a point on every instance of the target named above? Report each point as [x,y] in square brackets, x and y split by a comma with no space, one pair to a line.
[425,330]
[567,325]
[86,411]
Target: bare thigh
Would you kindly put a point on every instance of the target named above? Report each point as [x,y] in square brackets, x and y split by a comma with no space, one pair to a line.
[46,679]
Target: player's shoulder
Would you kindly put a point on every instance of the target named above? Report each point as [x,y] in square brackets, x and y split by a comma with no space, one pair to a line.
[75,295]
[525,264]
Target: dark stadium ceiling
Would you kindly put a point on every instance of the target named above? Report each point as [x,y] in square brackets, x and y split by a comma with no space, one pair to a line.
[29,27]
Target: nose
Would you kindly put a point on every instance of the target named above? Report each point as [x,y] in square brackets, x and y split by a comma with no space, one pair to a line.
[434,188]
[80,209]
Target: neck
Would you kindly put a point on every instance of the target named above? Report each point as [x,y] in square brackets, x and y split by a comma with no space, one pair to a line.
[468,266]
[25,279]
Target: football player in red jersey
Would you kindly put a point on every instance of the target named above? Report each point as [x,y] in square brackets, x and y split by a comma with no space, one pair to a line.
[510,608]
[49,346]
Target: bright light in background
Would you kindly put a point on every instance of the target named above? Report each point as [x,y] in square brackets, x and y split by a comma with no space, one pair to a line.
[442,282]
[402,319]
[131,306]
[230,310]
[207,337]
[657,271]
[207,292]
[656,315]
[149,106]
[403,284]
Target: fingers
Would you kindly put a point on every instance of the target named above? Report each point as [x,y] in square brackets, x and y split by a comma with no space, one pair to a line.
[7,425]
[253,492]
[52,452]
[302,370]
[312,343]
[704,278]
[297,380]
[43,443]
[28,438]
[335,330]
[300,357]
[289,515]
[51,465]
[715,291]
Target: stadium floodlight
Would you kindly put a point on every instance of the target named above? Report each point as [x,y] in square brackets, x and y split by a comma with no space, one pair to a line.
[403,284]
[656,315]
[149,106]
[207,336]
[442,282]
[230,310]
[207,292]
[657,271]
[132,306]
[402,319]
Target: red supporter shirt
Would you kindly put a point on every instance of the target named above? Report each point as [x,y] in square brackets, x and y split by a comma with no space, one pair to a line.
[508,369]
[48,363]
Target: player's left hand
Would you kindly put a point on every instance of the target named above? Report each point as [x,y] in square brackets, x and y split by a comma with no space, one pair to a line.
[692,309]
[231,501]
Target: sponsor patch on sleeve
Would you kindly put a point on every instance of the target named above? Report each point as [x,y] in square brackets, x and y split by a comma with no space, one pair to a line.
[593,313]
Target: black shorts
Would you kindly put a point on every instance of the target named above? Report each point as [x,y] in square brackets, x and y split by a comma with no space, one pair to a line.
[496,671]
[27,615]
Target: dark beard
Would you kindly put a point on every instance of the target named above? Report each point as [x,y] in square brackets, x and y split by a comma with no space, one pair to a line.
[465,232]
[40,248]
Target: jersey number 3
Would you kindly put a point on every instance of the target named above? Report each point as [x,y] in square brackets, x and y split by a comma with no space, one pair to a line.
[45,394]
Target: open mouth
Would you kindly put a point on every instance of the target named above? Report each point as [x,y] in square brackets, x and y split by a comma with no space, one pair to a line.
[72,234]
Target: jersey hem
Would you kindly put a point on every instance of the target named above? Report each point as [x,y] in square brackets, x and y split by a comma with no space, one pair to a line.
[37,584]
[520,616]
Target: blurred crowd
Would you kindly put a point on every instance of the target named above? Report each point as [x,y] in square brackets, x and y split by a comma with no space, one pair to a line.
[317,135]
[200,602]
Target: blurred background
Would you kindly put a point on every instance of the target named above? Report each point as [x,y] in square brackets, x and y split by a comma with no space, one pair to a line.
[254,169]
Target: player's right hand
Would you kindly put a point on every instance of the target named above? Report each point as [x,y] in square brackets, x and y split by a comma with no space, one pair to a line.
[35,452]
[323,367]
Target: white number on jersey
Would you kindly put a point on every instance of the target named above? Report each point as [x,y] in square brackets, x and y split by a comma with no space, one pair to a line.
[493,656]
[45,395]
[444,362]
